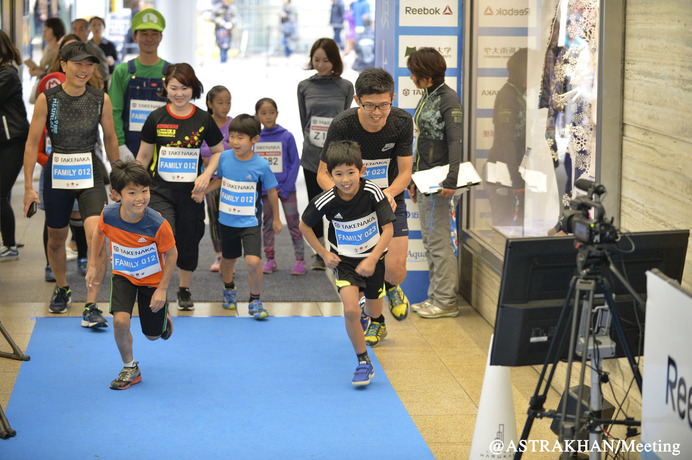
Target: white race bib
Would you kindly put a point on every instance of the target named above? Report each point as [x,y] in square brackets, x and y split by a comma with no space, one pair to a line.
[355,237]
[135,262]
[272,152]
[378,171]
[72,171]
[178,164]
[140,110]
[238,198]
[318,130]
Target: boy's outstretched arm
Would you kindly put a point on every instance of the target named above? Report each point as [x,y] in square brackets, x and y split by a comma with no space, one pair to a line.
[158,299]
[95,266]
[273,196]
[331,260]
[367,266]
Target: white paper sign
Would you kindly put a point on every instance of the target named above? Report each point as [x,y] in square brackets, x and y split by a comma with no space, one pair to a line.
[140,110]
[72,171]
[272,152]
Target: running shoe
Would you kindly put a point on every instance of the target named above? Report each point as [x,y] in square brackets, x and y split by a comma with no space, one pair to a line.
[229,302]
[48,275]
[364,372]
[127,377]
[269,266]
[376,333]
[364,319]
[91,316]
[299,268]
[420,305]
[257,310]
[398,303]
[434,311]
[165,335]
[62,297]
[185,299]
[82,266]
[9,253]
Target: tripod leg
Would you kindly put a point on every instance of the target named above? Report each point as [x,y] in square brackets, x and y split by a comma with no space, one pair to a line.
[16,352]
[621,336]
[5,430]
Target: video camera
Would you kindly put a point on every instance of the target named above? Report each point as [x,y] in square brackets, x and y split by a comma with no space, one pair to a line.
[586,216]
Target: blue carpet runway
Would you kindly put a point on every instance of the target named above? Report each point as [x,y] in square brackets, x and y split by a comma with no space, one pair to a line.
[221,387]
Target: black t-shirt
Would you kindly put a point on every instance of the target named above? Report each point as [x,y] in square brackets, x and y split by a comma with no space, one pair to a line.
[380,150]
[73,121]
[177,143]
[355,226]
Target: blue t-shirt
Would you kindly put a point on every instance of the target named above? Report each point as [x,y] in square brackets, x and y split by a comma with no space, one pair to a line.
[240,204]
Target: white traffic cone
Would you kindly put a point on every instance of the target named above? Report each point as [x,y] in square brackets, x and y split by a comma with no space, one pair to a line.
[496,427]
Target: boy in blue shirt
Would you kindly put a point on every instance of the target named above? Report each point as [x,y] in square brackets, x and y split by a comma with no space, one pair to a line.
[360,228]
[241,176]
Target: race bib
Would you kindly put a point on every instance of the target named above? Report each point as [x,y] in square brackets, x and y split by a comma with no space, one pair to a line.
[135,262]
[72,171]
[238,198]
[318,130]
[272,152]
[178,164]
[377,171]
[140,110]
[355,237]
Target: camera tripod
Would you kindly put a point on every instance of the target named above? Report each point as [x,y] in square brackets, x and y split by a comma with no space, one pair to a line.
[592,341]
[5,430]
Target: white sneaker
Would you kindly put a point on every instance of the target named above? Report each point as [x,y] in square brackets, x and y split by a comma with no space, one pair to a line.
[8,253]
[420,305]
[434,311]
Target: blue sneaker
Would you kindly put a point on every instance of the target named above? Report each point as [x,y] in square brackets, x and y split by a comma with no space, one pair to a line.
[229,302]
[364,372]
[48,276]
[62,297]
[364,319]
[82,266]
[91,316]
[257,309]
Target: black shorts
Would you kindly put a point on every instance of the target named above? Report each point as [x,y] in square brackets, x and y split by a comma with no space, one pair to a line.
[58,203]
[400,225]
[235,241]
[345,275]
[123,296]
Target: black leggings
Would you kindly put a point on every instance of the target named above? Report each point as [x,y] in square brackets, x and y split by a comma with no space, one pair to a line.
[314,189]
[11,159]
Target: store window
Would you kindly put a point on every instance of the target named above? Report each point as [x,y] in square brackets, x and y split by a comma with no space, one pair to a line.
[534,117]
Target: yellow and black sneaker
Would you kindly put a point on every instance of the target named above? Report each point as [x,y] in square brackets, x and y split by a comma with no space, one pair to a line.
[375,333]
[398,303]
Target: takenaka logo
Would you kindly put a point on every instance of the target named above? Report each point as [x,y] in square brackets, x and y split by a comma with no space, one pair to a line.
[489,11]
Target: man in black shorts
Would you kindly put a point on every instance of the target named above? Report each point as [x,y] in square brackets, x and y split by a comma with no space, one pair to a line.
[385,136]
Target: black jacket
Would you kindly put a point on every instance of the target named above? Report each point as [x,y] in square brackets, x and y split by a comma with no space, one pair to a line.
[13,122]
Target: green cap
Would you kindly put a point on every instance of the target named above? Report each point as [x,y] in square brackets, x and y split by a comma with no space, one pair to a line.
[148,19]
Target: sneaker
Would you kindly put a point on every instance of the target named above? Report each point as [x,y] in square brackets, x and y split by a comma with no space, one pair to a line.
[82,266]
[317,263]
[398,303]
[185,299]
[127,377]
[434,311]
[91,316]
[9,253]
[364,372]
[216,265]
[269,266]
[229,302]
[420,305]
[71,254]
[48,276]
[299,268]
[364,319]
[376,333]
[257,309]
[165,335]
[62,297]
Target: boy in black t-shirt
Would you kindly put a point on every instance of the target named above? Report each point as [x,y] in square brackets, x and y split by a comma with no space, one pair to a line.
[360,228]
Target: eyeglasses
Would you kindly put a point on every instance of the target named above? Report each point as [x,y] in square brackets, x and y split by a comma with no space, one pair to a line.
[368,107]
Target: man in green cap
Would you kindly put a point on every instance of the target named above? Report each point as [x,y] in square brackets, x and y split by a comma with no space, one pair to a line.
[136,85]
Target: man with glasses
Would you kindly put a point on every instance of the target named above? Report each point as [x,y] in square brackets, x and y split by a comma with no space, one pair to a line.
[385,136]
